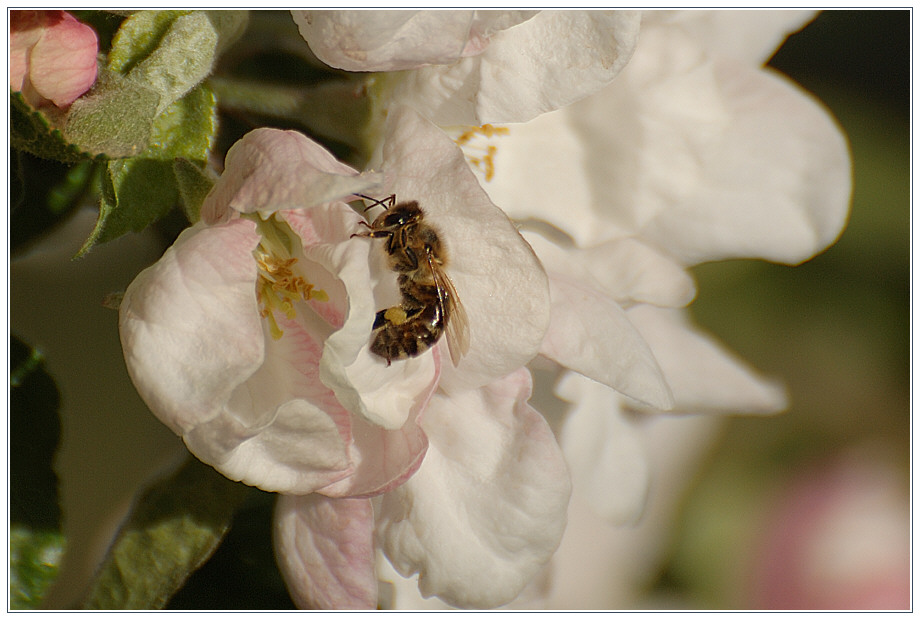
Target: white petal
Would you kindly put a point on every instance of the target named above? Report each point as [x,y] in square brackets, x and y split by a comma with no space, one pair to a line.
[712,158]
[552,60]
[325,550]
[604,450]
[196,350]
[590,333]
[190,325]
[703,375]
[626,270]
[270,170]
[497,276]
[397,40]
[486,509]
[747,36]
[301,450]
[603,565]
[539,174]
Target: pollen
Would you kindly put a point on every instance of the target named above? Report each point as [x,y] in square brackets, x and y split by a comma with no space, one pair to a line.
[477,145]
[279,285]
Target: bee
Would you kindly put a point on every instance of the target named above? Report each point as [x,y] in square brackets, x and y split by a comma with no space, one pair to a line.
[430,305]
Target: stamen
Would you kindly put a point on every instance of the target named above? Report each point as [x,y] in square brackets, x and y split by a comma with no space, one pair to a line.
[477,139]
[279,286]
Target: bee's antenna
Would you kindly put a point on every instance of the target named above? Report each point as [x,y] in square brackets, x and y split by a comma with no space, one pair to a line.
[386,203]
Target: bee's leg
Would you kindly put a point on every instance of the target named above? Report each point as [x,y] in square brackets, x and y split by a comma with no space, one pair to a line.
[386,203]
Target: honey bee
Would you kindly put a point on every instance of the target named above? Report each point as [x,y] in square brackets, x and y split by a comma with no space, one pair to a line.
[430,305]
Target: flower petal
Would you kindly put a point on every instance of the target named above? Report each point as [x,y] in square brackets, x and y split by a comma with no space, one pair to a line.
[590,333]
[747,36]
[604,450]
[550,61]
[384,396]
[325,550]
[199,297]
[487,508]
[703,375]
[689,163]
[52,53]
[63,61]
[497,276]
[270,170]
[195,349]
[397,40]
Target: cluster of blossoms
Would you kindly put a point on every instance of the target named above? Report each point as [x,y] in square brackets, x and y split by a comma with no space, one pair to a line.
[575,164]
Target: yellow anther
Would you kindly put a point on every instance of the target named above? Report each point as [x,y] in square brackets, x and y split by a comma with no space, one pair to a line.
[279,286]
[471,141]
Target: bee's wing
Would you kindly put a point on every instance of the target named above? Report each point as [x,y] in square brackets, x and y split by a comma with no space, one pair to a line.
[458,324]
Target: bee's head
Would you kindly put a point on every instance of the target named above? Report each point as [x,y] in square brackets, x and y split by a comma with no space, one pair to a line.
[399,215]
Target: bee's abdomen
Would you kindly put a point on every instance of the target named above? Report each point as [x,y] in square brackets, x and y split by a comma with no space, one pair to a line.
[420,329]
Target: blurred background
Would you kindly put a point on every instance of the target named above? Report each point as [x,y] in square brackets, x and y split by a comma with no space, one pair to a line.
[806,510]
[811,509]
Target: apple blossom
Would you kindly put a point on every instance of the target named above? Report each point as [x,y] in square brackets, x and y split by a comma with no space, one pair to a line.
[694,153]
[52,56]
[250,339]
[476,67]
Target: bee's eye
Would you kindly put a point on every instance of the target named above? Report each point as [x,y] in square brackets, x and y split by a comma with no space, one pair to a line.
[395,219]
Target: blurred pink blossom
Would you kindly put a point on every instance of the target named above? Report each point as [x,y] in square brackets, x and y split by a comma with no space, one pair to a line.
[838,539]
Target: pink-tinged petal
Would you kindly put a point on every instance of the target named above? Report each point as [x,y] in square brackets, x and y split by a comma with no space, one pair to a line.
[604,450]
[836,536]
[383,459]
[26,28]
[325,550]
[63,61]
[487,508]
[499,280]
[190,324]
[397,40]
[703,375]
[271,170]
[51,55]
[363,384]
[195,349]
[591,334]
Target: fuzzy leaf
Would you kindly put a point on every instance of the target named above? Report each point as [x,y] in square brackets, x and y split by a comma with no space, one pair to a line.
[194,184]
[139,191]
[170,52]
[31,131]
[175,526]
[114,119]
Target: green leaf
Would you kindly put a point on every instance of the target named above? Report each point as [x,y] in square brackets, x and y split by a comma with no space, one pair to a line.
[35,557]
[174,528]
[31,131]
[194,184]
[140,190]
[138,37]
[36,542]
[170,52]
[114,118]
